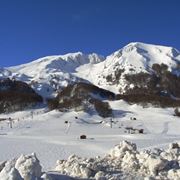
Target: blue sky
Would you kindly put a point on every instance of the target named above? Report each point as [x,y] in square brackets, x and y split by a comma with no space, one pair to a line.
[30,29]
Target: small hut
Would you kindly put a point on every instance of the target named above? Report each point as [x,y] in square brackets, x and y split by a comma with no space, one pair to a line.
[83,136]
[141,131]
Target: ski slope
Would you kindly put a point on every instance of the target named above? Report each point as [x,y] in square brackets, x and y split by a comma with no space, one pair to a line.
[47,134]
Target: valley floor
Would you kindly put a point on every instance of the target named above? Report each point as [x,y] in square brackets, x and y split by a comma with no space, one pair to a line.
[47,134]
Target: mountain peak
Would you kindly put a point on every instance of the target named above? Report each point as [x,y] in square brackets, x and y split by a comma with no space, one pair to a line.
[149,53]
[134,58]
[60,70]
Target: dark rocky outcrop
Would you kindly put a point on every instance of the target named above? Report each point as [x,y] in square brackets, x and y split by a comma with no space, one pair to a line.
[159,88]
[161,82]
[85,97]
[16,95]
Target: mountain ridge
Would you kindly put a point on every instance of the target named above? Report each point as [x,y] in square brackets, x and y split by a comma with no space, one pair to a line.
[132,59]
[51,73]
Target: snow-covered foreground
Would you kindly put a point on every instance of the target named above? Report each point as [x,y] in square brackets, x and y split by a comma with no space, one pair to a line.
[47,134]
[123,161]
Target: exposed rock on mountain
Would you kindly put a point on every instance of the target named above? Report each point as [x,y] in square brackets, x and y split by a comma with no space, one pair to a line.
[83,96]
[16,95]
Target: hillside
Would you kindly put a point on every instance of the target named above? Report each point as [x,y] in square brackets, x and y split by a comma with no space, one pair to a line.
[17,96]
[49,74]
[135,58]
[83,97]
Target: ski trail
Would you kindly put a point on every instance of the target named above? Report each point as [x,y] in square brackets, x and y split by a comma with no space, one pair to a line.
[68,127]
[166,128]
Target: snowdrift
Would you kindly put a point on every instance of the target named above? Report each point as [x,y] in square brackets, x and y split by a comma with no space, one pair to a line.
[26,167]
[123,161]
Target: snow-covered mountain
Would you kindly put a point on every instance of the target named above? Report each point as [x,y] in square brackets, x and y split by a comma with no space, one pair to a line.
[132,59]
[4,73]
[48,74]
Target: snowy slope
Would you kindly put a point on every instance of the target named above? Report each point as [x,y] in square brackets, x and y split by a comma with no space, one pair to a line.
[50,73]
[132,59]
[4,73]
[62,63]
[47,134]
[142,56]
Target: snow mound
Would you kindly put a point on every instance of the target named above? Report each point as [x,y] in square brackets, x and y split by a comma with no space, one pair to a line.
[26,167]
[119,150]
[9,172]
[124,160]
